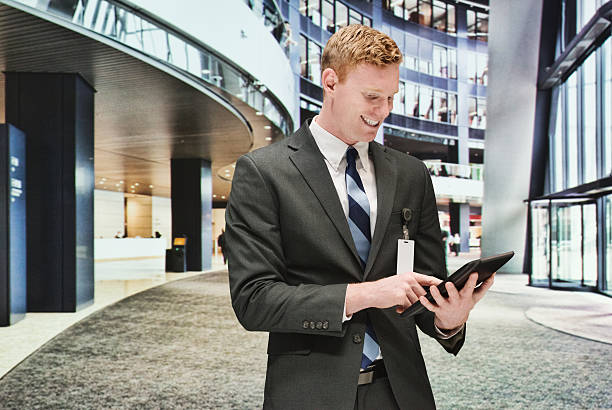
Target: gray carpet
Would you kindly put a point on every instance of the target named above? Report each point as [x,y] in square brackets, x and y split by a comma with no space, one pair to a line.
[180,346]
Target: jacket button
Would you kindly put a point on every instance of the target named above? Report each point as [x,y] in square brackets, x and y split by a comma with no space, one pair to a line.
[325,325]
[305,324]
[312,325]
[319,325]
[357,338]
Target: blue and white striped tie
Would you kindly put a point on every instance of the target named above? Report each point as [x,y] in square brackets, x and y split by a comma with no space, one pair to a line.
[359,223]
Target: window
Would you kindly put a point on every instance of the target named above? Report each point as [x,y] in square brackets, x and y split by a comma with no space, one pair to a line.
[430,13]
[354,17]
[327,16]
[471,67]
[607,107]
[482,70]
[452,63]
[399,100]
[472,113]
[310,60]
[341,15]
[412,99]
[426,103]
[440,62]
[572,130]
[477,25]
[452,108]
[589,119]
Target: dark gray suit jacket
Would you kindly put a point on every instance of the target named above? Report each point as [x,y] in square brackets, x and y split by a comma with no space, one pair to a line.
[291,256]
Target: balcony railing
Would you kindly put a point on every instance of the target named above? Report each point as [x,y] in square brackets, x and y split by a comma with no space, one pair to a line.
[141,32]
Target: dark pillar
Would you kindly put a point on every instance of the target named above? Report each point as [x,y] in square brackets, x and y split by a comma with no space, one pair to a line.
[191,192]
[13,294]
[460,223]
[55,111]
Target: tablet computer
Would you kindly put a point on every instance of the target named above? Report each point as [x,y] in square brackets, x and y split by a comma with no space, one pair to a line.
[485,268]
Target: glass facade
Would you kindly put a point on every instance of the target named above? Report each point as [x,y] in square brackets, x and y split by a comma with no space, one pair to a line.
[571,231]
[439,15]
[332,14]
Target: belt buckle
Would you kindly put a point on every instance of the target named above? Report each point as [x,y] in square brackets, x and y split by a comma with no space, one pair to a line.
[366,378]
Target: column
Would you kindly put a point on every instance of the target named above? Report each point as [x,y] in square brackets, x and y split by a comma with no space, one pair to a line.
[55,111]
[191,193]
[460,223]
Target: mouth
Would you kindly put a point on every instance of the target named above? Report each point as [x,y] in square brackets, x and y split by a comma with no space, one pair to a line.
[369,122]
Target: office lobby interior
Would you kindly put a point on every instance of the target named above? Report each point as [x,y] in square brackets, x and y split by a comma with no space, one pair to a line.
[122,122]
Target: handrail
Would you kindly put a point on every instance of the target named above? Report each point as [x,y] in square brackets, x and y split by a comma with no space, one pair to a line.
[140,31]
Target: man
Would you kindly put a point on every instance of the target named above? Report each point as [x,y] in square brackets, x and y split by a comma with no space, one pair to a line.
[314,222]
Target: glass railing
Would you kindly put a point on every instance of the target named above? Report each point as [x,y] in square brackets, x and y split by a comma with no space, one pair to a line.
[138,31]
[446,169]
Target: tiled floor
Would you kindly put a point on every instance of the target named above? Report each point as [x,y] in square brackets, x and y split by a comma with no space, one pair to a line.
[114,281]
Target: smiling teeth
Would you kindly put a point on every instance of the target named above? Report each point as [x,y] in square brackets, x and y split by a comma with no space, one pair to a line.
[370,122]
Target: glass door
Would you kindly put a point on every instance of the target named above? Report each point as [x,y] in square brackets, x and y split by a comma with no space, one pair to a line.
[540,235]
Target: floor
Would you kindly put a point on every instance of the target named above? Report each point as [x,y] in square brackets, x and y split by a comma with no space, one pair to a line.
[115,280]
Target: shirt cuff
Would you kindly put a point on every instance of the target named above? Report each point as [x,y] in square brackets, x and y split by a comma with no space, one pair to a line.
[447,335]
[344,316]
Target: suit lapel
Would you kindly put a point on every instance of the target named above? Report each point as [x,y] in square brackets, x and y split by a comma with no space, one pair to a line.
[386,182]
[310,162]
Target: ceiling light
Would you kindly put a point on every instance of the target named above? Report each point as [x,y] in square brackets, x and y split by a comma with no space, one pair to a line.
[117,185]
[132,187]
[103,179]
[205,71]
[267,127]
[233,165]
[222,196]
[259,113]
[268,138]
[121,182]
[214,196]
[136,184]
[133,190]
[151,186]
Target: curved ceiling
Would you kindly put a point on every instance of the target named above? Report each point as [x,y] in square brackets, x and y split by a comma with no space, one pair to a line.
[145,112]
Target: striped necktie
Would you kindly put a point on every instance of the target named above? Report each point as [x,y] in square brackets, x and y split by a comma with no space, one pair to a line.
[359,224]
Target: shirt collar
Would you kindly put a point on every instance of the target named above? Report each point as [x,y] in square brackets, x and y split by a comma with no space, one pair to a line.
[334,149]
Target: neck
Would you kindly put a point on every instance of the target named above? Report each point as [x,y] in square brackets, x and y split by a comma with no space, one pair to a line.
[325,120]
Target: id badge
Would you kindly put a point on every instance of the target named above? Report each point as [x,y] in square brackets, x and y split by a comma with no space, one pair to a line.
[405,255]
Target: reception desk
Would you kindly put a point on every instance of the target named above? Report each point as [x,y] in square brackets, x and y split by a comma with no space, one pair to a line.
[128,248]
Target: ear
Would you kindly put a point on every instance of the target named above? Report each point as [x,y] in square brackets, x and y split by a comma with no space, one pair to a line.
[329,79]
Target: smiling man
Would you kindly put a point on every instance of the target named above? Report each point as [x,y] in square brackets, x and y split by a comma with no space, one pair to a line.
[313,222]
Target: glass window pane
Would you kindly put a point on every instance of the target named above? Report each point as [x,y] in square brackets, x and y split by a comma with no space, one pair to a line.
[410,11]
[439,15]
[589,263]
[452,63]
[608,242]
[539,237]
[440,106]
[567,266]
[451,25]
[303,7]
[471,24]
[440,64]
[303,57]
[482,27]
[557,144]
[482,70]
[412,99]
[607,108]
[314,11]
[471,67]
[426,103]
[589,118]
[327,17]
[452,108]
[572,131]
[354,17]
[314,62]
[397,7]
[472,113]
[367,21]
[341,15]
[425,66]
[425,13]
[399,99]
[482,113]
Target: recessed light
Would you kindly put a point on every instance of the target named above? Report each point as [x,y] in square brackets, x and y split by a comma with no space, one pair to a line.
[132,187]
[103,179]
[267,127]
[117,185]
[133,190]
[233,165]
[121,182]
[214,196]
[259,113]
[222,196]
[136,184]
[151,186]
[268,138]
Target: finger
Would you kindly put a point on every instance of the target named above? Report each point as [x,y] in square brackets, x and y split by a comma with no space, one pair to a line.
[453,293]
[470,284]
[418,290]
[435,293]
[428,305]
[482,289]
[412,297]
[426,280]
[399,309]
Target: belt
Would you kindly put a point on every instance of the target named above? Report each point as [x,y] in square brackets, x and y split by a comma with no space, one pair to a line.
[375,371]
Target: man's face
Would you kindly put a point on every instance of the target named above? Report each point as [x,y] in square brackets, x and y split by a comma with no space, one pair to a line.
[363,100]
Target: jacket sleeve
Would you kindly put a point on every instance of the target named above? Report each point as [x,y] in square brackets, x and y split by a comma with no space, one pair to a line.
[262,297]
[432,262]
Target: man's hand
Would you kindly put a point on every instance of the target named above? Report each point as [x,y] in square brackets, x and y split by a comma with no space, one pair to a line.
[453,311]
[398,290]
